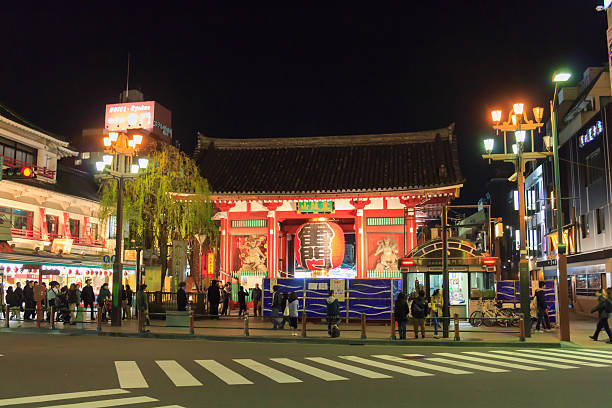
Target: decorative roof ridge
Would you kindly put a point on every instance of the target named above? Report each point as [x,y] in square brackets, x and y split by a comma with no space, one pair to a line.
[445,133]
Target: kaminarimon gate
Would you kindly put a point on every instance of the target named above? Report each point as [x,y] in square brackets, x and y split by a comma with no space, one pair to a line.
[329,207]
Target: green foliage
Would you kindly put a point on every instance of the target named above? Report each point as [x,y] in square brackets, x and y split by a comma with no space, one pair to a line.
[169,201]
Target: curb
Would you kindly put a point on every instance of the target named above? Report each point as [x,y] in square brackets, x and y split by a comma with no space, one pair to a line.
[307,340]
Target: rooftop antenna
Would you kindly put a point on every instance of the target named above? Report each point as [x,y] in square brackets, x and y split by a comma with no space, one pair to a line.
[127,79]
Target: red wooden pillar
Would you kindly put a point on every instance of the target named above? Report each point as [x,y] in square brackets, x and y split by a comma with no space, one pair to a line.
[411,224]
[360,245]
[272,238]
[43,224]
[226,250]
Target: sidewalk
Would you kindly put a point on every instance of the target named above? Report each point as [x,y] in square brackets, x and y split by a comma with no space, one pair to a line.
[232,328]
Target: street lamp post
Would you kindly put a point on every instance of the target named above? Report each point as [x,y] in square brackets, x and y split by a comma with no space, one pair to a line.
[519,124]
[119,160]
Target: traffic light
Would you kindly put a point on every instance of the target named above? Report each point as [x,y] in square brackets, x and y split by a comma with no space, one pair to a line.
[18,173]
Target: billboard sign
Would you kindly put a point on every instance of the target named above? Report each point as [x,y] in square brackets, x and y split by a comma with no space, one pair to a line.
[148,115]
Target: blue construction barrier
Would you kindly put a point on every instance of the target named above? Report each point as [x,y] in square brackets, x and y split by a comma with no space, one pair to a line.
[509,292]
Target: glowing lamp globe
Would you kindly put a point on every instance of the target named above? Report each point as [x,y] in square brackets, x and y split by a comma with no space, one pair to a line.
[319,245]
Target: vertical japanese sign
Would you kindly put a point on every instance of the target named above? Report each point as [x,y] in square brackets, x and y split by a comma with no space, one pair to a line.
[337,285]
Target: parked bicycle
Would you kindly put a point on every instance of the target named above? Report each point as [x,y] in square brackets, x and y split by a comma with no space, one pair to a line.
[490,314]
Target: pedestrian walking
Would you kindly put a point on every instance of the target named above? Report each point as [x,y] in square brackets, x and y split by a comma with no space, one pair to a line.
[142,304]
[129,298]
[285,309]
[604,308]
[61,305]
[51,295]
[28,299]
[541,305]
[437,302]
[401,314]
[12,301]
[213,300]
[19,294]
[333,315]
[293,312]
[227,293]
[242,294]
[277,302]
[104,298]
[74,300]
[88,297]
[256,298]
[181,298]
[419,312]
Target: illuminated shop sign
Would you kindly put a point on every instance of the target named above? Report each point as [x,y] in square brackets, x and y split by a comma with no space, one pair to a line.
[319,246]
[315,207]
[591,133]
[148,115]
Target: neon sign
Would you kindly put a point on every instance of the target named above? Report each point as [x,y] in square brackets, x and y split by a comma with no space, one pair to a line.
[591,133]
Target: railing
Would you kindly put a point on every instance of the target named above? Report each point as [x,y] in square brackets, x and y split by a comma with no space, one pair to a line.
[39,170]
[26,234]
[37,235]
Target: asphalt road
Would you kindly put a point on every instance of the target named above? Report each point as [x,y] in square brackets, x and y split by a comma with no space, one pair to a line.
[46,365]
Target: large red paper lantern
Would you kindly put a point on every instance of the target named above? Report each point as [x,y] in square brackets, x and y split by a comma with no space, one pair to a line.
[319,245]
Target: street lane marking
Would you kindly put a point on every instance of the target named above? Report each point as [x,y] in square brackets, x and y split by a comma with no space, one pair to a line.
[171,406]
[223,373]
[386,366]
[604,352]
[466,365]
[57,397]
[316,372]
[490,362]
[420,364]
[347,367]
[549,358]
[601,357]
[177,374]
[129,375]
[517,358]
[106,403]
[570,357]
[269,372]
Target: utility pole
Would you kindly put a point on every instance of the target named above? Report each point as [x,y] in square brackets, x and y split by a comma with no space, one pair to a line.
[118,265]
[445,277]
[523,262]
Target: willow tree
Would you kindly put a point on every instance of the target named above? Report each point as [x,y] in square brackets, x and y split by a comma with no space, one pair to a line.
[169,201]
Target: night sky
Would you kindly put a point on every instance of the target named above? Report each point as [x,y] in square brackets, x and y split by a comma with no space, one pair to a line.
[286,71]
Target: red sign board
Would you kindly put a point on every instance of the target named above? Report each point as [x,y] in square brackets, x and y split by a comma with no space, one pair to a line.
[319,245]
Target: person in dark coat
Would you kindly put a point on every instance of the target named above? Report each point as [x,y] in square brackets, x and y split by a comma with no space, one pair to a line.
[277,302]
[333,312]
[256,298]
[129,297]
[419,312]
[242,294]
[19,294]
[181,298]
[401,314]
[28,298]
[213,300]
[104,299]
[227,294]
[12,301]
[541,306]
[88,297]
[604,307]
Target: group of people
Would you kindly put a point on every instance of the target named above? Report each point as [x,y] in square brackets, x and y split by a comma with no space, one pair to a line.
[219,297]
[420,309]
[285,305]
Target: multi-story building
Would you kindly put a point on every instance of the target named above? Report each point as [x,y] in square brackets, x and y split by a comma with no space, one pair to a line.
[55,232]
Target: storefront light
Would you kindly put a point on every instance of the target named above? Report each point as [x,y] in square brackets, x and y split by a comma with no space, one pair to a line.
[143,162]
[113,136]
[107,159]
[100,166]
[134,168]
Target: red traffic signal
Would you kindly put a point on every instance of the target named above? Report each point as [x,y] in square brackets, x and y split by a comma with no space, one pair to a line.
[27,172]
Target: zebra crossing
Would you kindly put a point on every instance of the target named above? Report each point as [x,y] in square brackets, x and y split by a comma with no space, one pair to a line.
[115,397]
[282,370]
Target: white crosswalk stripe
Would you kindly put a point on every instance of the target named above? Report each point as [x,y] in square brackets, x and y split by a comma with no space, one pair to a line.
[518,359]
[226,375]
[385,366]
[177,374]
[600,357]
[466,365]
[106,403]
[593,351]
[491,362]
[269,372]
[348,367]
[570,357]
[129,375]
[553,358]
[317,372]
[421,364]
[58,397]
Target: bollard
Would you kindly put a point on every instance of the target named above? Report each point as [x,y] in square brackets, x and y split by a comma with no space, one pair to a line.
[392,326]
[6,316]
[304,323]
[246,324]
[456,319]
[80,317]
[191,330]
[52,318]
[38,314]
[99,320]
[363,326]
[140,321]
[522,327]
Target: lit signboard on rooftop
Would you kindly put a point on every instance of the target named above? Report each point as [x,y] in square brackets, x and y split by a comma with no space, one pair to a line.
[607,3]
[148,115]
